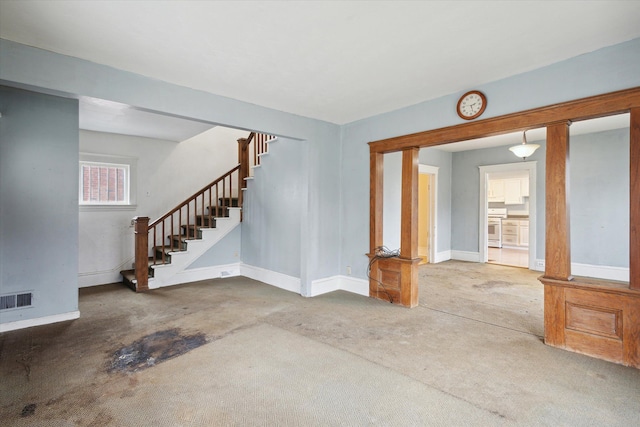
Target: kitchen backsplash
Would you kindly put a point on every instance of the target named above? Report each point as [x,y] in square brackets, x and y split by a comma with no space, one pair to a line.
[513,210]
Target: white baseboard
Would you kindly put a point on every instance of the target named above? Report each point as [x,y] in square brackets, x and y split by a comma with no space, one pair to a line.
[272,278]
[86,280]
[442,256]
[354,285]
[38,321]
[465,256]
[97,278]
[323,286]
[600,271]
[336,283]
[210,272]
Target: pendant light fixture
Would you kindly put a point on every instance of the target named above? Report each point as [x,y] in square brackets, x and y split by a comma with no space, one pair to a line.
[524,150]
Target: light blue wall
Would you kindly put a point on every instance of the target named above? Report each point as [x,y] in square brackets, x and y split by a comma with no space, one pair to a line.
[38,202]
[317,208]
[271,230]
[599,198]
[606,70]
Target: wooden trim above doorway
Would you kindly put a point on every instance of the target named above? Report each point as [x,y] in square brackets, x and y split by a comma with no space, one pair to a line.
[582,109]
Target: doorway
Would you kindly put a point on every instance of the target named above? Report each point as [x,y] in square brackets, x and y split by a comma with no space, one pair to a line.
[427,189]
[508,198]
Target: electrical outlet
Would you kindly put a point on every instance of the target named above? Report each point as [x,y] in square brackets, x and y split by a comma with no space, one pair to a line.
[348,270]
[540,264]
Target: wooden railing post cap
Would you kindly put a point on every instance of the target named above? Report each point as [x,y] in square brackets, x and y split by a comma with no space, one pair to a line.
[141,224]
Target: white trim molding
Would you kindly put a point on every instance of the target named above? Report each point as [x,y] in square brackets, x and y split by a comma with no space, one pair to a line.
[279,280]
[209,272]
[606,272]
[339,283]
[39,321]
[442,256]
[465,256]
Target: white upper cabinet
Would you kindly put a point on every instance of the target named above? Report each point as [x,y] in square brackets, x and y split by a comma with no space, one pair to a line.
[524,187]
[496,190]
[512,194]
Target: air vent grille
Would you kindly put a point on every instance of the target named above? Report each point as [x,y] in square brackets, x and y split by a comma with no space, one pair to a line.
[20,300]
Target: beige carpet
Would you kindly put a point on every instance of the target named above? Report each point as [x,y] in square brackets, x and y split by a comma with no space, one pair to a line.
[470,354]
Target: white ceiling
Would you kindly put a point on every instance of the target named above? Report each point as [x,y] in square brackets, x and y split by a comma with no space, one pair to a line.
[112,117]
[329,60]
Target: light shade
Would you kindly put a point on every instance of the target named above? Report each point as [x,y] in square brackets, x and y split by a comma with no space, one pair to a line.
[524,150]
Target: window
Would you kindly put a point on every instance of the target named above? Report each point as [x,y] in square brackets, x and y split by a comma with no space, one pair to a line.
[106,181]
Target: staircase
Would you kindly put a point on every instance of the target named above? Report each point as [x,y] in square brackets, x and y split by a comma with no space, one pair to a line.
[169,259]
[183,234]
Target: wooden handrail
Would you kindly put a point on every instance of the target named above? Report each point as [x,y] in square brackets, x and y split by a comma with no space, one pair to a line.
[199,210]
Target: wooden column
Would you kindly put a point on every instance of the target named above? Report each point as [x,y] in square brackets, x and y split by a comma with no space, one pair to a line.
[409,228]
[634,200]
[376,201]
[141,229]
[558,241]
[409,218]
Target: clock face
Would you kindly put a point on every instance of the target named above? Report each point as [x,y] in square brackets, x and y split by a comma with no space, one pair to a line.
[471,105]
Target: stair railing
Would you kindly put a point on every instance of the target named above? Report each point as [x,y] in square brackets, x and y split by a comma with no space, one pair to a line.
[214,198]
[181,222]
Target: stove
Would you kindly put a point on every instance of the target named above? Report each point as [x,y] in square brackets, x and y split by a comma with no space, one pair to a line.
[494,222]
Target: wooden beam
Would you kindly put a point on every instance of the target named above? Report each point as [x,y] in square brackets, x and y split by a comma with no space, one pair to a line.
[376,201]
[409,208]
[558,241]
[634,200]
[581,109]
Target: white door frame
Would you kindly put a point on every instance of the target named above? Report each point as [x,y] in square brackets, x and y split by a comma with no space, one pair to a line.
[508,167]
[433,208]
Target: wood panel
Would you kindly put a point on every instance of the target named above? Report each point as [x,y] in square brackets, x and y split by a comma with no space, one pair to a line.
[596,319]
[557,241]
[554,316]
[376,201]
[581,109]
[409,208]
[634,201]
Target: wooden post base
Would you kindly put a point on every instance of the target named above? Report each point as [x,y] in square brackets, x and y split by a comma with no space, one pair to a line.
[395,280]
[597,318]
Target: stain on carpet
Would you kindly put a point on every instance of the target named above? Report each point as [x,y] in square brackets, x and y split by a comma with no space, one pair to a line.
[489,284]
[153,349]
[28,410]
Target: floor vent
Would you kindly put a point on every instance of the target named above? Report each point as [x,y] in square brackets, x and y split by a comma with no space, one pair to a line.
[16,301]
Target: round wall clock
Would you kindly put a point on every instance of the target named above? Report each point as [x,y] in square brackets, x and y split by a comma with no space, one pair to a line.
[471,105]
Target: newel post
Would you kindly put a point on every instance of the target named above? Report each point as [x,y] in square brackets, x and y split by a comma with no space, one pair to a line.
[243,159]
[141,227]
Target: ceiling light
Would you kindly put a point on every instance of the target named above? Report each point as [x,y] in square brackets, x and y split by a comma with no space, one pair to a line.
[524,150]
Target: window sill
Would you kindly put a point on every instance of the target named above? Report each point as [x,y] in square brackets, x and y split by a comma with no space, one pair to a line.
[106,208]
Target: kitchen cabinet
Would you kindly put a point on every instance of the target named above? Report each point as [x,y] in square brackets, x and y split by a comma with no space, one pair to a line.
[524,187]
[509,191]
[510,232]
[515,232]
[496,190]
[512,194]
[523,233]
